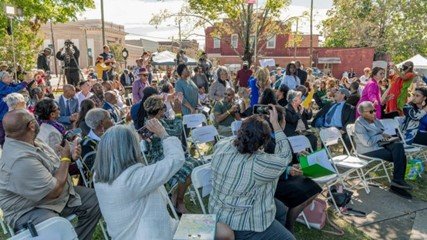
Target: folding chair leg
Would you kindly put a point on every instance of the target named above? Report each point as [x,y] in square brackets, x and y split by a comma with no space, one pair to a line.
[104,232]
[3,226]
[333,201]
[201,201]
[305,220]
[11,231]
[362,177]
[386,172]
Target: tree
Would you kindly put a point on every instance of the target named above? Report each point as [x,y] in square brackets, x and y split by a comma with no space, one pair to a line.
[26,27]
[396,27]
[234,17]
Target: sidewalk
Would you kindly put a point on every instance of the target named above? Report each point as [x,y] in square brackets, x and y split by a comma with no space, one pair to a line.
[389,216]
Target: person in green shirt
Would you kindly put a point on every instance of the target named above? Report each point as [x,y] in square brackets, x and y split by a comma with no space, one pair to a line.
[226,111]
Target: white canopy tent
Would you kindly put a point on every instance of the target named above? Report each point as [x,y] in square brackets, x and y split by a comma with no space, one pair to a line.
[420,63]
[169,58]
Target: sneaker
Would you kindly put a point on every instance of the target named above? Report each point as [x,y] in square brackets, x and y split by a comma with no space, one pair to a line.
[401,184]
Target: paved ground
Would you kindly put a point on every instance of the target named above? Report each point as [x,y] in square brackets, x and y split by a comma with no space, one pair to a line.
[389,216]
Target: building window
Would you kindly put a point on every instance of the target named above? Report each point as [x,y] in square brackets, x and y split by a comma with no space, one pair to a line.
[271,43]
[216,42]
[234,40]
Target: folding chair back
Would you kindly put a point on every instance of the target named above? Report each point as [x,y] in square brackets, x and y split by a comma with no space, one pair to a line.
[350,132]
[204,134]
[235,126]
[53,228]
[194,120]
[201,178]
[332,136]
[299,143]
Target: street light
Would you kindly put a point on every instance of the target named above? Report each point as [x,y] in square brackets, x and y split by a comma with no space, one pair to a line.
[11,12]
[125,55]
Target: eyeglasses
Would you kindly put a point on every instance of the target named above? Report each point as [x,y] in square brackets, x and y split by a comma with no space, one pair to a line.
[371,111]
[230,94]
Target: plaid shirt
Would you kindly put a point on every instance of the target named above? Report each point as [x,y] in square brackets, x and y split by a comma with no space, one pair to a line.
[244,184]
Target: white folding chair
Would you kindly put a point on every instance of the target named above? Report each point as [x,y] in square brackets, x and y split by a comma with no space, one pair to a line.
[202,135]
[332,136]
[201,178]
[57,228]
[192,121]
[300,144]
[414,148]
[382,163]
[3,224]
[392,128]
[235,126]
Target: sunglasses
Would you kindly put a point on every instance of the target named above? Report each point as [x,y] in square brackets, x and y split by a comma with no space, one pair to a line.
[372,111]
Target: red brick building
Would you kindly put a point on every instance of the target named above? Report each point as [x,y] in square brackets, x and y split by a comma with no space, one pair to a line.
[226,51]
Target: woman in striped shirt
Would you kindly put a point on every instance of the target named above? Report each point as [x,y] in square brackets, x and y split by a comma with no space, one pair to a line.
[244,179]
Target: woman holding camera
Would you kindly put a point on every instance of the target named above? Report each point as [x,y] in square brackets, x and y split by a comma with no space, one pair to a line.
[155,108]
[244,178]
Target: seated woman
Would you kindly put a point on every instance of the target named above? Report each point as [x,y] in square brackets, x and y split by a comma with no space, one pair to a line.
[155,109]
[51,131]
[281,95]
[137,111]
[414,112]
[297,117]
[137,209]
[15,101]
[85,106]
[244,178]
[368,133]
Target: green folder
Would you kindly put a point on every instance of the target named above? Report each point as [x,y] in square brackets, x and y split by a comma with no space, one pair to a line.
[316,164]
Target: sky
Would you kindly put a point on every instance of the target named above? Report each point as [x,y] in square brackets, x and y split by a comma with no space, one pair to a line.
[136,14]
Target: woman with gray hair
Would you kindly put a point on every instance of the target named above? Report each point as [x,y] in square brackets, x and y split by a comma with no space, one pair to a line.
[137,209]
[15,101]
[297,117]
[371,141]
[218,87]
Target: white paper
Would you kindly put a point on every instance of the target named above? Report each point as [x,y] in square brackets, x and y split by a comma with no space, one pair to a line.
[267,62]
[320,158]
[204,134]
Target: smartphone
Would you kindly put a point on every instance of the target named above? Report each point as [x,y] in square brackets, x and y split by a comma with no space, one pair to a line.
[71,135]
[261,109]
[145,133]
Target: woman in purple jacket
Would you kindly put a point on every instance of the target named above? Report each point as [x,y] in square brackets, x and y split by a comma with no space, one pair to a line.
[372,91]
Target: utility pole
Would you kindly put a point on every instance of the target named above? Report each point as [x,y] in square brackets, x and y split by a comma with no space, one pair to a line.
[103,24]
[53,48]
[311,34]
[247,56]
[179,33]
[87,47]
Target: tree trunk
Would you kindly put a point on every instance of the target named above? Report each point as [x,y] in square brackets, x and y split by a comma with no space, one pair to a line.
[247,55]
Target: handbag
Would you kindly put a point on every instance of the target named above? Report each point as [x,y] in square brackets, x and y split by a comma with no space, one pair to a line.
[341,198]
[316,216]
[414,168]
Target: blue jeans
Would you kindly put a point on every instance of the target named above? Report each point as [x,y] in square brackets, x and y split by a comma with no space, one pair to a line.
[275,231]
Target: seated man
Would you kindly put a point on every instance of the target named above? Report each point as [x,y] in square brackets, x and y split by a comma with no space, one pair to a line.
[98,120]
[69,106]
[338,114]
[368,133]
[110,104]
[226,111]
[34,181]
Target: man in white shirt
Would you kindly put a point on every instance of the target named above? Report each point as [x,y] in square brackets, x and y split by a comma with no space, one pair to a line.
[85,92]
[365,78]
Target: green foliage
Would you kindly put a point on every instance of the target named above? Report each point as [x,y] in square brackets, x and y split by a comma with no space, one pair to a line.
[26,27]
[397,27]
[241,19]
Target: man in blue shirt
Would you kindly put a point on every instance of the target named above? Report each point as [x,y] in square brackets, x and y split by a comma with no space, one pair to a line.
[338,114]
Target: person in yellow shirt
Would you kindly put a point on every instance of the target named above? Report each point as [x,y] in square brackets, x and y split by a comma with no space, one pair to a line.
[101,68]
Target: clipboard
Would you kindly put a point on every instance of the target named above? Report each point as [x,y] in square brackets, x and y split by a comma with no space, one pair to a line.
[316,164]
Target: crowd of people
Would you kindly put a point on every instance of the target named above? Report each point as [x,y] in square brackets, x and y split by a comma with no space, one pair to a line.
[258,189]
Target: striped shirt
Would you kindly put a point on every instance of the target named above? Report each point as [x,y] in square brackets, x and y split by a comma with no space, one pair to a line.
[244,184]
